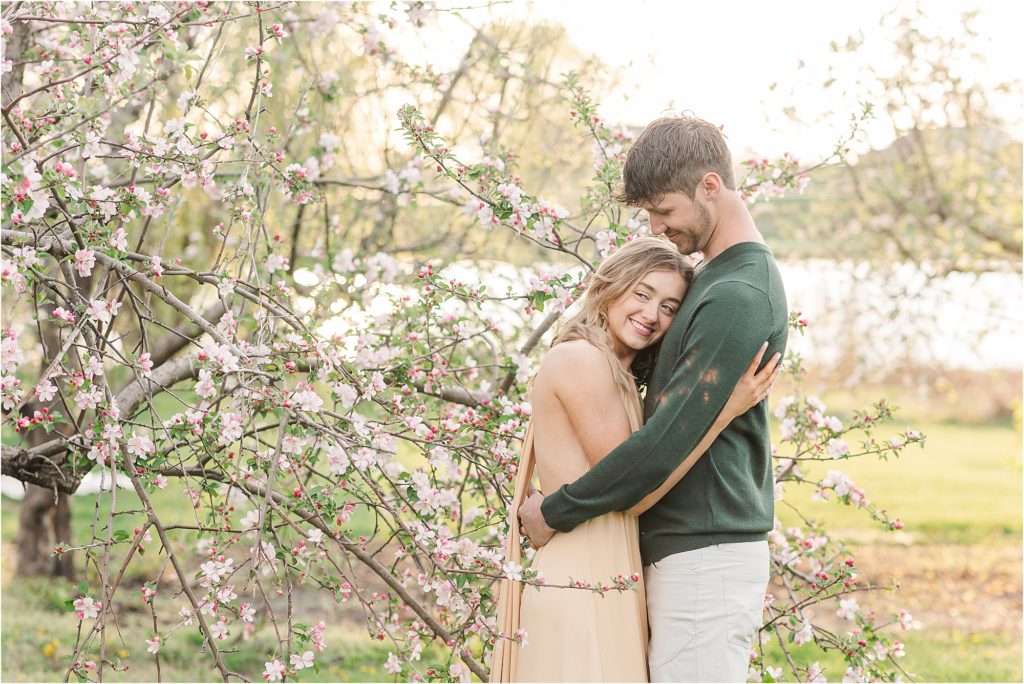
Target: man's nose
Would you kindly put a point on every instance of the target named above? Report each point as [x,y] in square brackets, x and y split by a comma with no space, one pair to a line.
[657,227]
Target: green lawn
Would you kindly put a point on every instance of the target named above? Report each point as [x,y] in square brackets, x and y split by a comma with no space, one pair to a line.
[963,486]
[933,655]
[39,633]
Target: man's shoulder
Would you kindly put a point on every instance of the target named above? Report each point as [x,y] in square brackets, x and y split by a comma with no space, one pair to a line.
[736,289]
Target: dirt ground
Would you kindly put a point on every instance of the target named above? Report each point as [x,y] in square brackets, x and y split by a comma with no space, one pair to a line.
[973,588]
[949,586]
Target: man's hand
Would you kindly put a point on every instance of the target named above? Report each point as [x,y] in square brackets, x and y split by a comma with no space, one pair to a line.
[531,521]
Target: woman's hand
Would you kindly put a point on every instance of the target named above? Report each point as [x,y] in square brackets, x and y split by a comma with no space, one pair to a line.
[753,387]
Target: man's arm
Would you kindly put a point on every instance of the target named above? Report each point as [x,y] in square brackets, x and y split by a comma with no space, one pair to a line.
[751,390]
[726,331]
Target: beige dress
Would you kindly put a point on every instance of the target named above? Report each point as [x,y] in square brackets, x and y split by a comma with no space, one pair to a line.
[574,635]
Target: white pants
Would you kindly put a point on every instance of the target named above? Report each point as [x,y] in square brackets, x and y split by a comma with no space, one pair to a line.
[705,608]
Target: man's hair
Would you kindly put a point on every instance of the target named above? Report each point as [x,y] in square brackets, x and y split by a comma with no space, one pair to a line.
[672,155]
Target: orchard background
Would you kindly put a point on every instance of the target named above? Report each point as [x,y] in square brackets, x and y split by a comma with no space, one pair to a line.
[284,279]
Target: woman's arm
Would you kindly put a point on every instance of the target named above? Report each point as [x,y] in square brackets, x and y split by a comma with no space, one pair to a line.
[751,389]
[580,378]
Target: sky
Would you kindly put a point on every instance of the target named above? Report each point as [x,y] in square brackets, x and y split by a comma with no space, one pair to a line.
[719,59]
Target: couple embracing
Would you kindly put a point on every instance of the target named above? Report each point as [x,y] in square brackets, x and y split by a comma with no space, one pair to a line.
[677,490]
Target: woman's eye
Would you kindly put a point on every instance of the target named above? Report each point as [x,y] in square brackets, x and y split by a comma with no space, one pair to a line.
[642,295]
[668,309]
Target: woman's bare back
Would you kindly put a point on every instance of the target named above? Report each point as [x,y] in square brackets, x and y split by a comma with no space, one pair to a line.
[578,412]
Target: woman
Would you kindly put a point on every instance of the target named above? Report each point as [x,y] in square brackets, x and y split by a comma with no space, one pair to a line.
[575,634]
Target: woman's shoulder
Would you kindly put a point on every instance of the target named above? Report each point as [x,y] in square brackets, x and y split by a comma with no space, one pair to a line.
[575,358]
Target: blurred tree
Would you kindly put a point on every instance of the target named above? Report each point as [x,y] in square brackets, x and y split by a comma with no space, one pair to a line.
[943,197]
[946,193]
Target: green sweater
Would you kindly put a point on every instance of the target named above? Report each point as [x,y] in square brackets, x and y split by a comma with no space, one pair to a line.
[734,304]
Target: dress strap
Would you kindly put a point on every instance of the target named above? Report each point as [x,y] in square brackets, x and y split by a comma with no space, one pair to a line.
[506,652]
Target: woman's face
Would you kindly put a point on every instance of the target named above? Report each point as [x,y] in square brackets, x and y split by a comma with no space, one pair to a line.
[642,314]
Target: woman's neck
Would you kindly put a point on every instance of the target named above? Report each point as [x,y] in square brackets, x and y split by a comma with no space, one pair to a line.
[626,357]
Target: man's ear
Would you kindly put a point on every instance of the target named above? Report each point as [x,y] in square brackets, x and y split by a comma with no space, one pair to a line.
[710,184]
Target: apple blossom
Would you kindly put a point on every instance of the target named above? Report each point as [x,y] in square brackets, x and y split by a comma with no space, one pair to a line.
[273,671]
[86,608]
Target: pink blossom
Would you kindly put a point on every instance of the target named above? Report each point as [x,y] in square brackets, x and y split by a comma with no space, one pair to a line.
[317,635]
[25,255]
[838,448]
[140,445]
[854,675]
[92,367]
[153,645]
[805,633]
[219,629]
[847,608]
[156,266]
[11,394]
[146,365]
[46,390]
[62,314]
[119,240]
[205,387]
[276,262]
[103,310]
[393,665]
[160,481]
[907,621]
[513,571]
[85,260]
[302,661]
[230,428]
[274,670]
[346,394]
[459,671]
[86,608]
[226,594]
[308,400]
[112,432]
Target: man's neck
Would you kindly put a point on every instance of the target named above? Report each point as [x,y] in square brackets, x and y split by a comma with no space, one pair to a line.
[735,225]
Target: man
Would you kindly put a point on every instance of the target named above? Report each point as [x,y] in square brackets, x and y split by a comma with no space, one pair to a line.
[704,544]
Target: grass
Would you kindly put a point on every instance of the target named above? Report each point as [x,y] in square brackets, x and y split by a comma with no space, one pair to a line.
[933,655]
[962,490]
[39,633]
[962,487]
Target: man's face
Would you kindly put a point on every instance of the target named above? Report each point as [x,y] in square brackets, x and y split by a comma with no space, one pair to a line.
[687,223]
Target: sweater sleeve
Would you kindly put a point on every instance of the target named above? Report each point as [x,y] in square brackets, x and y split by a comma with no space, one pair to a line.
[726,331]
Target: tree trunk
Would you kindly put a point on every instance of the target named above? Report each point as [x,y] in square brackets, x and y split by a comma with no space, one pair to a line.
[43,520]
[42,523]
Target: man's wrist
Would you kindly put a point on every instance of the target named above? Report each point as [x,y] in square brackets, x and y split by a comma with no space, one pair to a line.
[550,515]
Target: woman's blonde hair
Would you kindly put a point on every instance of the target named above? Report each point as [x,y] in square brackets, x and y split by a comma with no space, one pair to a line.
[617,275]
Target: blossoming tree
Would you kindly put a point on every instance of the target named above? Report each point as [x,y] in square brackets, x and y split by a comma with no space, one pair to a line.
[249,289]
